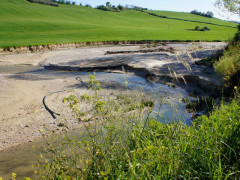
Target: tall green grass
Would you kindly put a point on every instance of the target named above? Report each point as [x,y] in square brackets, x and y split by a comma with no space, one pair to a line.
[124,144]
[23,23]
[229,64]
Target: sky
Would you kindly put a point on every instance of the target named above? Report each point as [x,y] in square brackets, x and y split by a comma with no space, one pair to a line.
[169,5]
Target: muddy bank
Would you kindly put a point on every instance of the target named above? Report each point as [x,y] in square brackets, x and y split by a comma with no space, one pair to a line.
[198,86]
[52,47]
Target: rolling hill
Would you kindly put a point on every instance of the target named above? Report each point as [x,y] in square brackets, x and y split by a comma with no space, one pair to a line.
[23,23]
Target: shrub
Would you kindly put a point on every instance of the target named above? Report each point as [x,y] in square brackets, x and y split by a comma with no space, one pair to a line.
[46,2]
[236,39]
[88,5]
[229,66]
[197,28]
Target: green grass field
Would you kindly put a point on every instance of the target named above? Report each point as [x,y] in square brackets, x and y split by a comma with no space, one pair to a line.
[23,23]
[192,17]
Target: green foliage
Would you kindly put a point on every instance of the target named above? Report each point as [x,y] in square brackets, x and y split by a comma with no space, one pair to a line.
[128,146]
[197,28]
[110,7]
[229,66]
[93,84]
[231,5]
[88,5]
[236,39]
[23,23]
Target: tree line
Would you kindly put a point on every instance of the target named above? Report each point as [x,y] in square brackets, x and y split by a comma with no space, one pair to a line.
[107,7]
[209,14]
[56,2]
[46,2]
[110,7]
[64,2]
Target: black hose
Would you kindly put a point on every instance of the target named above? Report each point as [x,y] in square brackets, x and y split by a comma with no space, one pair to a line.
[53,114]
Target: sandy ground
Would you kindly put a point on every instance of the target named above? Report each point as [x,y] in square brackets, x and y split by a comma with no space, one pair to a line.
[22,114]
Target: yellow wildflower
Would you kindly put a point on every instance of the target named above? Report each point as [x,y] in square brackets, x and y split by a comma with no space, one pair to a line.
[41,130]
[14,175]
[235,87]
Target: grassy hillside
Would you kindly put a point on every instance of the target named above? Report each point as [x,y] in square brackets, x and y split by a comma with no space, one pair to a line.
[23,23]
[192,17]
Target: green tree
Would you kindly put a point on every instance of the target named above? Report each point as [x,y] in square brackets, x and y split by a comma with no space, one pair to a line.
[120,7]
[108,4]
[231,5]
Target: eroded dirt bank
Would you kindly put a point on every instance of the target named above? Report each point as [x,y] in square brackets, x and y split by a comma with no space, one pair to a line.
[22,114]
[52,47]
[169,64]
